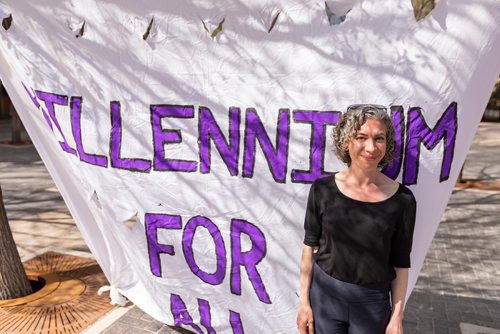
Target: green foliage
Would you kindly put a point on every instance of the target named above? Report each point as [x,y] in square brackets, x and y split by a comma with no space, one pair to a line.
[274,22]
[205,26]
[7,22]
[422,8]
[218,29]
[333,19]
[81,31]
[148,30]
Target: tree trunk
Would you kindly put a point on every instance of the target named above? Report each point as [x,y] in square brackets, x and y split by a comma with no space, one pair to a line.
[13,280]
[4,105]
[16,125]
[4,112]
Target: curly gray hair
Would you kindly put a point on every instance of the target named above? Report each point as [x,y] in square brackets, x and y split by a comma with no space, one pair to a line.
[352,120]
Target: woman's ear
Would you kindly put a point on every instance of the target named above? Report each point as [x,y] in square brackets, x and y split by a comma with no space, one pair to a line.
[346,144]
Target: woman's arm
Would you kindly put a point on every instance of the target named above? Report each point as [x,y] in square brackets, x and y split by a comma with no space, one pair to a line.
[305,315]
[398,294]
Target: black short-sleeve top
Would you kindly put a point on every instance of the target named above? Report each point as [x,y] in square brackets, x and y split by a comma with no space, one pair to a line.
[359,242]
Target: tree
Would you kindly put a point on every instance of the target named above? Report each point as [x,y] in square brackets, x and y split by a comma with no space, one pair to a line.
[16,126]
[494,102]
[6,107]
[13,280]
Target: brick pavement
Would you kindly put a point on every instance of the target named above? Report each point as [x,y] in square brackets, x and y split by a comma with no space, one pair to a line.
[136,321]
[40,220]
[459,283]
[460,280]
[37,214]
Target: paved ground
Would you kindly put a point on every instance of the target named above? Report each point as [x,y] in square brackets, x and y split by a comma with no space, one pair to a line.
[458,288]
[460,280]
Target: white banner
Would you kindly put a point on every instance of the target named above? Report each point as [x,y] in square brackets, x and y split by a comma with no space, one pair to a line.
[184,136]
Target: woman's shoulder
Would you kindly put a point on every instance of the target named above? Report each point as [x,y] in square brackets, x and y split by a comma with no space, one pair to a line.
[324,180]
[324,184]
[405,193]
[400,191]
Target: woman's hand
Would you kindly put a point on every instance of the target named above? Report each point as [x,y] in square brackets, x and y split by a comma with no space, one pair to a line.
[398,293]
[305,320]
[305,314]
[395,326]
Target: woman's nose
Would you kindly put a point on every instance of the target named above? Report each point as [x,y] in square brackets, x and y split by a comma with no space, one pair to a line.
[370,145]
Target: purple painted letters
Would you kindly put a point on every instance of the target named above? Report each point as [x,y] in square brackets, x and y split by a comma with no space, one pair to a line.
[406,156]
[235,320]
[50,99]
[115,145]
[319,121]
[181,314]
[276,158]
[205,317]
[392,170]
[153,222]
[182,317]
[76,115]
[209,129]
[220,250]
[32,96]
[37,105]
[418,132]
[161,137]
[248,259]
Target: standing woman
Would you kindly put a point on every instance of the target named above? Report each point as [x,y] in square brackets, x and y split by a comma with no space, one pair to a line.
[358,235]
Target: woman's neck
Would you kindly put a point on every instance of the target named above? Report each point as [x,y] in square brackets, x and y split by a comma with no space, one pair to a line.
[361,176]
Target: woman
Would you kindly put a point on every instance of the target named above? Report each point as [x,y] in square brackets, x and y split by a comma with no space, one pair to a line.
[358,235]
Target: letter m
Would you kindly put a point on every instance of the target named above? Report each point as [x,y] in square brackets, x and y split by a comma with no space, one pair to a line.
[418,132]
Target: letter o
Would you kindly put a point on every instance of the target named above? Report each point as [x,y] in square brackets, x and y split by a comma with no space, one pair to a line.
[220,250]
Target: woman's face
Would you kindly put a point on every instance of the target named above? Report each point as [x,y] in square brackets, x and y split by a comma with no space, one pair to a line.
[368,146]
